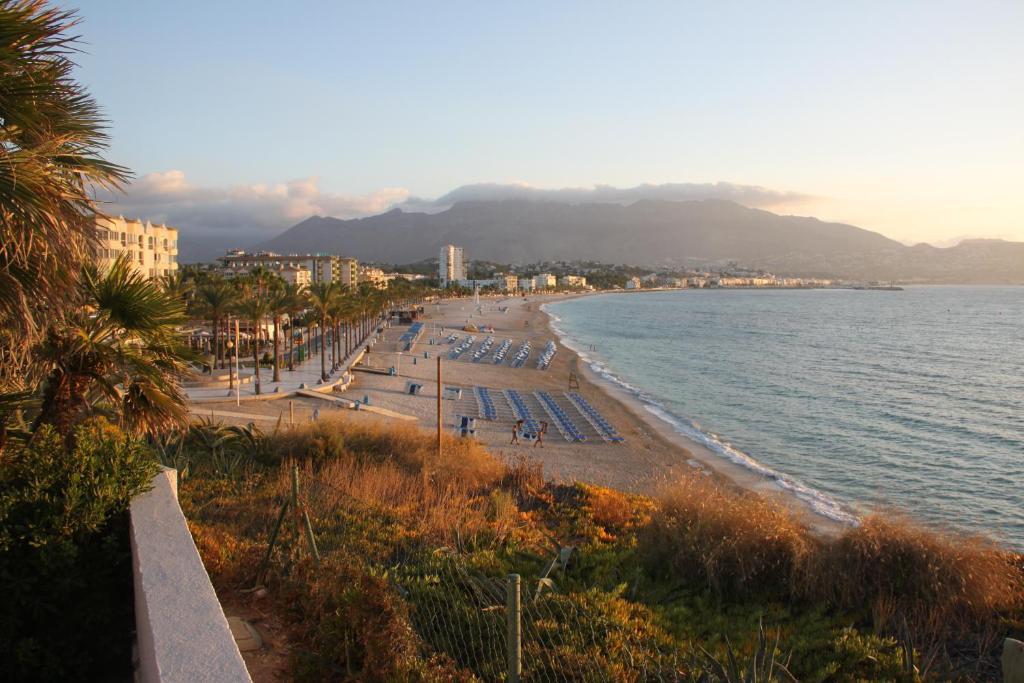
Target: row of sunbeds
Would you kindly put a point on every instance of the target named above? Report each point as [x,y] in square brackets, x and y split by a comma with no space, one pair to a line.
[485,404]
[603,427]
[462,347]
[484,349]
[562,421]
[522,353]
[545,358]
[522,412]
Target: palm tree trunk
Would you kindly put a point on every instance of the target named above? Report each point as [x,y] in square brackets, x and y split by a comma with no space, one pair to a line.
[216,344]
[277,355]
[255,356]
[323,351]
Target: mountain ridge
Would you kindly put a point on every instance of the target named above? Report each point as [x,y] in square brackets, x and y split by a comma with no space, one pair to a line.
[652,232]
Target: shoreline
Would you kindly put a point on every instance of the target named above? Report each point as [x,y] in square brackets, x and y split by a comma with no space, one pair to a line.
[695,452]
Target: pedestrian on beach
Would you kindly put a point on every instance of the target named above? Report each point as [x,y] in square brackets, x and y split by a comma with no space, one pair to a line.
[316,414]
[540,435]
[515,432]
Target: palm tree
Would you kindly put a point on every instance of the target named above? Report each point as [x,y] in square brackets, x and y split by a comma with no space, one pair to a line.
[296,296]
[214,301]
[254,308]
[323,298]
[51,138]
[280,302]
[179,285]
[118,351]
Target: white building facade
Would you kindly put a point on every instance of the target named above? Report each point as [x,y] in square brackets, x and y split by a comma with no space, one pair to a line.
[153,248]
[451,265]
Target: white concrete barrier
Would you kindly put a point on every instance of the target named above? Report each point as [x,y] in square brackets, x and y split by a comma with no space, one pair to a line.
[1013,661]
[183,635]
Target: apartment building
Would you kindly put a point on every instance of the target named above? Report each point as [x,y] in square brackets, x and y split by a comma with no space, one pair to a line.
[153,247]
[321,267]
[451,265]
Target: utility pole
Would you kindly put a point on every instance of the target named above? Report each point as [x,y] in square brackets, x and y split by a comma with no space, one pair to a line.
[231,374]
[440,388]
[238,384]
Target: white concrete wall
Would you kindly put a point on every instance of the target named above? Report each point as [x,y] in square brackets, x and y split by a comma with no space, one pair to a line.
[183,635]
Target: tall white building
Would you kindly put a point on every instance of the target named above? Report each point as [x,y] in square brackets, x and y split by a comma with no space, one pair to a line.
[451,265]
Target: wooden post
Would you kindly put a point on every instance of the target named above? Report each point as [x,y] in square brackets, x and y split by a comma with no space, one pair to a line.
[513,635]
[440,389]
[291,412]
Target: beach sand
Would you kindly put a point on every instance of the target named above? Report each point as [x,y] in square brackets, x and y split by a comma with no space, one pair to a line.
[652,456]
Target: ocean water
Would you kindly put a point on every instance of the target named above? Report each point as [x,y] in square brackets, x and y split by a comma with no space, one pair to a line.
[852,400]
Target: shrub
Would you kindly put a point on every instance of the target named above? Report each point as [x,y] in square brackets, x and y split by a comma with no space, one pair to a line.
[736,543]
[903,571]
[65,571]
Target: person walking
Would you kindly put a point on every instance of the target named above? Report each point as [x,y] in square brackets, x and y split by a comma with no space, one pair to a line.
[516,428]
[540,435]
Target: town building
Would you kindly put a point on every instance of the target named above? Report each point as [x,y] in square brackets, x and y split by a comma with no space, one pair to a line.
[544,281]
[633,283]
[451,265]
[509,282]
[321,267]
[572,281]
[296,275]
[375,276]
[153,247]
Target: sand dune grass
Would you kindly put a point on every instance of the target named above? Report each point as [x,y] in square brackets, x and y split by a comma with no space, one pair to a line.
[742,544]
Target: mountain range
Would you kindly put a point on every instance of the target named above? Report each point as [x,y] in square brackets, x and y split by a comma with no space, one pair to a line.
[695,233]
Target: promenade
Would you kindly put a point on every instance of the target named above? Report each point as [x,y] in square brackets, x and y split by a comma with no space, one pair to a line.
[306,375]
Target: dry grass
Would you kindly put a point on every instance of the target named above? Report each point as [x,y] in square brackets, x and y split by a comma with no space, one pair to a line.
[736,543]
[896,567]
[741,544]
[464,462]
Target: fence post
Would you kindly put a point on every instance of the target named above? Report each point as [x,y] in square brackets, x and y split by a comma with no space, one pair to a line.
[513,640]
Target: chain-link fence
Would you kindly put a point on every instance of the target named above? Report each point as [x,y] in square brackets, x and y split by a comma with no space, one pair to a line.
[519,629]
[504,628]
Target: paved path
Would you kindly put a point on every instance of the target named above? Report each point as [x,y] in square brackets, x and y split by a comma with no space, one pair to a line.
[306,373]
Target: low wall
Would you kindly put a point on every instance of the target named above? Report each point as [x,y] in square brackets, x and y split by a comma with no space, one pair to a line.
[182,632]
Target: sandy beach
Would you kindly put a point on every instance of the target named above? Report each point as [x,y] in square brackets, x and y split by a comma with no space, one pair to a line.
[652,455]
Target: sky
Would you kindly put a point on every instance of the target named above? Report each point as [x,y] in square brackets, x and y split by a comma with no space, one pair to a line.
[902,117]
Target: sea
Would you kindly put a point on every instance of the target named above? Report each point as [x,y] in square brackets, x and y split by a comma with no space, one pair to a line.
[853,400]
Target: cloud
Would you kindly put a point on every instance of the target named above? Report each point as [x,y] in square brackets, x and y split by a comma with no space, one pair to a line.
[213,219]
[169,197]
[748,195]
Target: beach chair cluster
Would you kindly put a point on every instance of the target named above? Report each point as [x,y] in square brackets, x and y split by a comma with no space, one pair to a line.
[564,423]
[452,338]
[485,404]
[603,427]
[499,355]
[411,335]
[484,349]
[544,362]
[522,354]
[522,412]
[462,347]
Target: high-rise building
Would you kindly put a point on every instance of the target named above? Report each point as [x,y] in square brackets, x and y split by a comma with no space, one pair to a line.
[153,248]
[451,265]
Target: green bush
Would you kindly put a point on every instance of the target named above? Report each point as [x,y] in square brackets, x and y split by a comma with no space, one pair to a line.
[65,565]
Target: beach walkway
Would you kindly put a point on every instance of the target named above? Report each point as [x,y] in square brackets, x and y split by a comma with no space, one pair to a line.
[306,375]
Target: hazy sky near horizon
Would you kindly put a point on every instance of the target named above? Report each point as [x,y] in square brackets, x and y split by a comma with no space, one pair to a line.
[905,117]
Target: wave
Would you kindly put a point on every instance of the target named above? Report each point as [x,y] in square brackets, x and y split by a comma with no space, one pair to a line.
[818,501]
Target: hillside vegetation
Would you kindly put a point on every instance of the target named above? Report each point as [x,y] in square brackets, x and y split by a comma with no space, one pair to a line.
[700,583]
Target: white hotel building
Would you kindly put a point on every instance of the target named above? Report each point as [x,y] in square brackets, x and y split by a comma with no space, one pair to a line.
[451,265]
[153,248]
